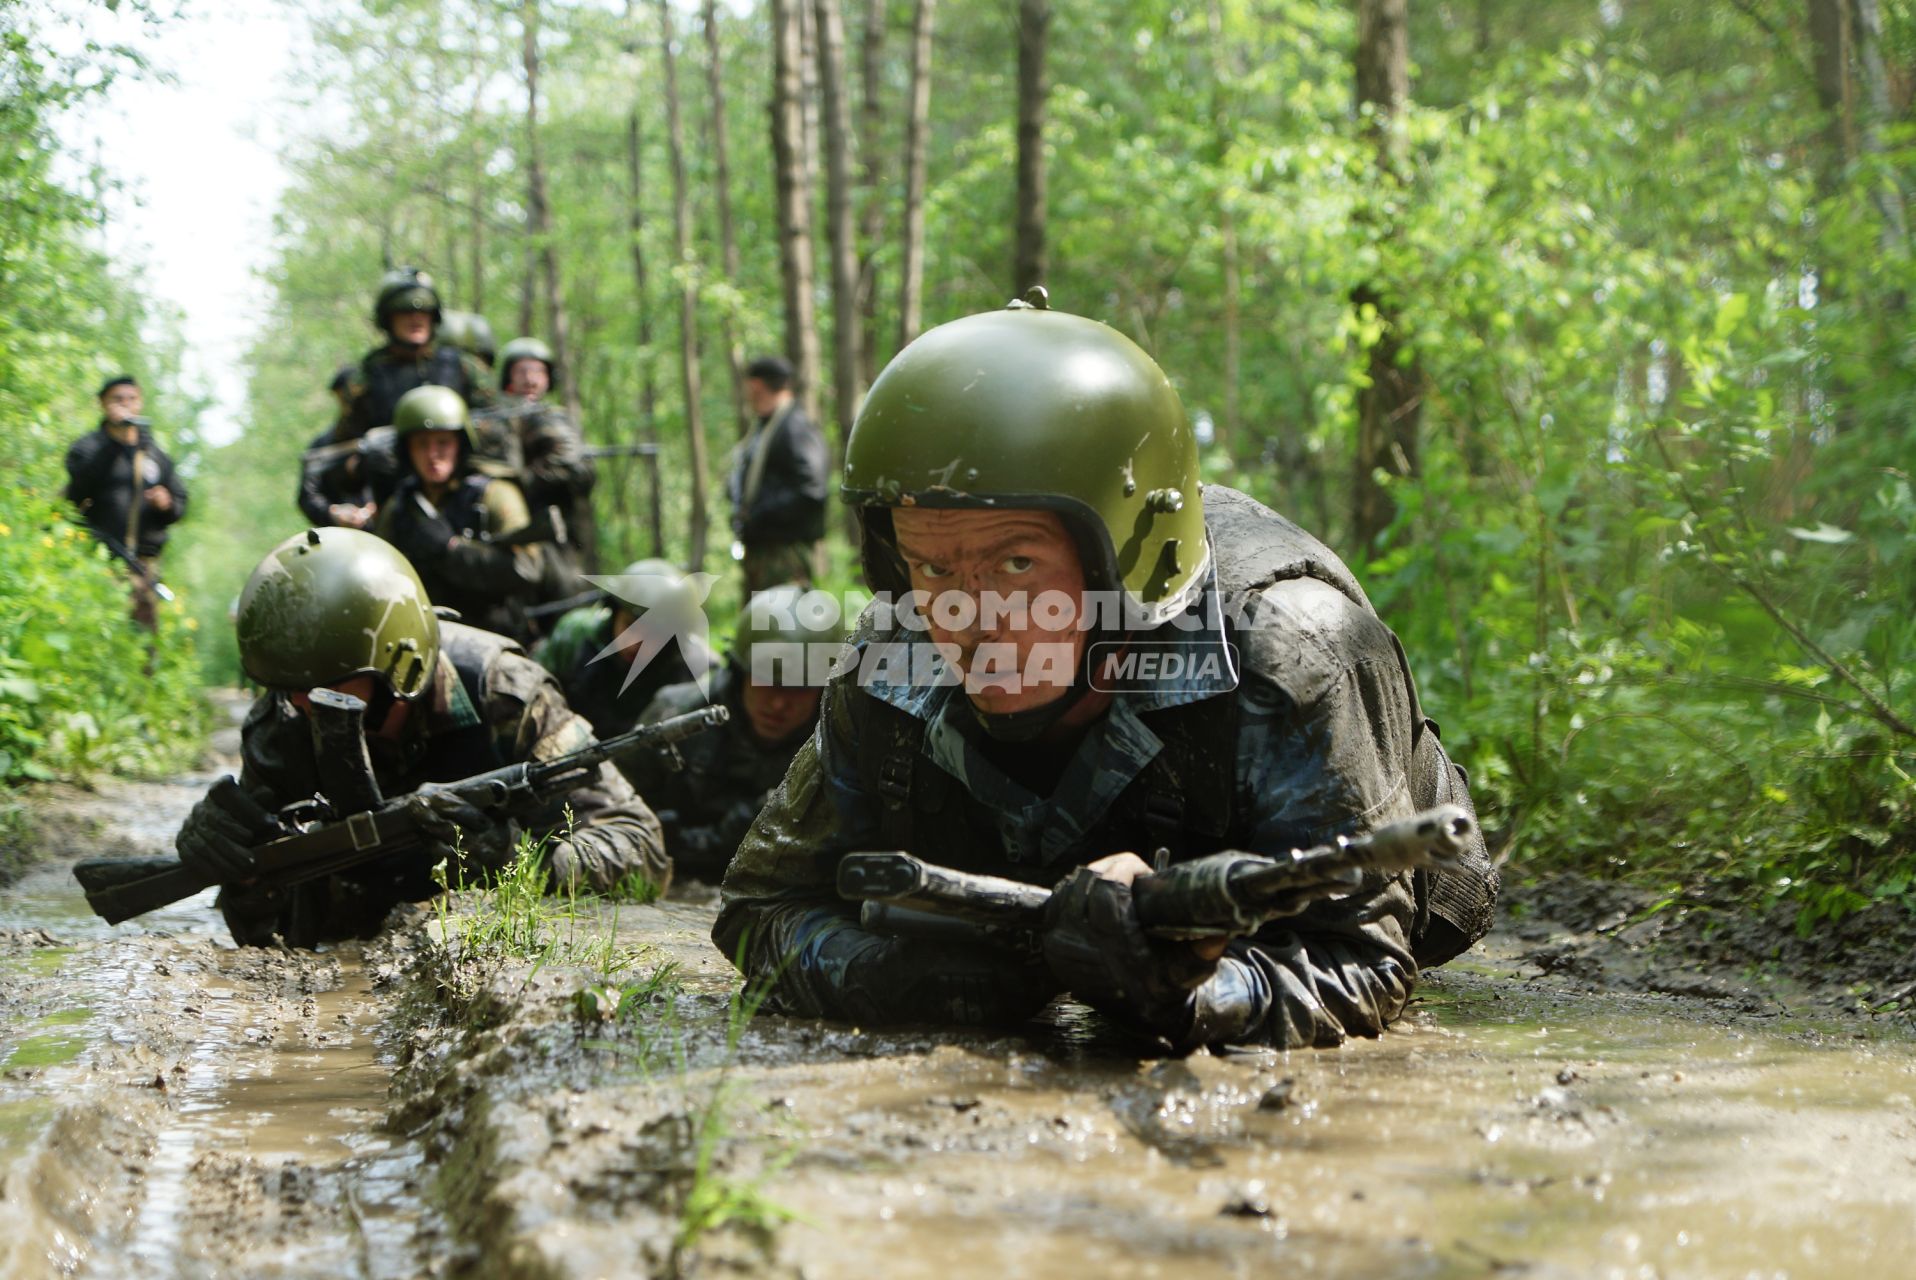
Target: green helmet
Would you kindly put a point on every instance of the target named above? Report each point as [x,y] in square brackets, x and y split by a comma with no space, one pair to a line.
[778,627]
[405,290]
[1033,408]
[431,408]
[468,331]
[523,349]
[333,603]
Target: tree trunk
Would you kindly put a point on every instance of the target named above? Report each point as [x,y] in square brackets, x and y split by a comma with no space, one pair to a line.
[1830,48]
[648,379]
[1876,112]
[1028,258]
[838,216]
[1388,408]
[541,213]
[1227,234]
[911,270]
[688,292]
[476,170]
[871,228]
[794,203]
[722,180]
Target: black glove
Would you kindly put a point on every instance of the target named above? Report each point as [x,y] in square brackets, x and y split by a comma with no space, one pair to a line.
[216,841]
[422,538]
[451,827]
[1096,947]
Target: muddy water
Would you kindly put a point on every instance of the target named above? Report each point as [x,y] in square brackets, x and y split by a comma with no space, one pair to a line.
[173,1106]
[1505,1128]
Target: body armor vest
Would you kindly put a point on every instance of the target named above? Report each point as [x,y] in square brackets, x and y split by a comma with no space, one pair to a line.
[1185,799]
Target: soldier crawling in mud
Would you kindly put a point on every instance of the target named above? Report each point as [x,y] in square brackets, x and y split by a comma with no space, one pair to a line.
[613,691]
[1032,456]
[342,610]
[772,684]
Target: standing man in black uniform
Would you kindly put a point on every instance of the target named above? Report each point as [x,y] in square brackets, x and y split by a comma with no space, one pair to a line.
[779,483]
[126,487]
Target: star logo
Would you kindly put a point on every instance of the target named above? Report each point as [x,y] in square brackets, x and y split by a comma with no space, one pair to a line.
[667,610]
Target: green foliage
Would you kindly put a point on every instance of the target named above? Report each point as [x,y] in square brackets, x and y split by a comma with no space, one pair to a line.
[1654,570]
[81,689]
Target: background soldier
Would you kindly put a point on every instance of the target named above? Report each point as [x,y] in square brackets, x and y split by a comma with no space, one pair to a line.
[340,609]
[1082,478]
[334,490]
[771,686]
[467,534]
[596,687]
[126,488]
[778,483]
[553,468]
[470,332]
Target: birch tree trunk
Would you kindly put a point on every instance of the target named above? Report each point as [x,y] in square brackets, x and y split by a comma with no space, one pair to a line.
[541,214]
[794,203]
[911,270]
[688,292]
[648,366]
[1388,408]
[722,197]
[871,222]
[1029,258]
[846,389]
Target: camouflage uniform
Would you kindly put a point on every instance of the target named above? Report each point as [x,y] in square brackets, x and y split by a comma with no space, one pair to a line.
[707,806]
[594,687]
[487,706]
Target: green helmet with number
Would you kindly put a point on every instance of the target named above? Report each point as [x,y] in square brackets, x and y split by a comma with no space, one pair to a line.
[333,603]
[406,289]
[468,331]
[1033,408]
[431,408]
[524,349]
[776,632]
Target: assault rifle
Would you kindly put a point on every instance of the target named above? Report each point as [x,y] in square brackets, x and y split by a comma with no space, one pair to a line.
[353,823]
[381,442]
[641,449]
[1228,893]
[136,566]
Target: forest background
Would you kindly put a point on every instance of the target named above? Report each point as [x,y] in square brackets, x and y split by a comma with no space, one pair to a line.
[1581,330]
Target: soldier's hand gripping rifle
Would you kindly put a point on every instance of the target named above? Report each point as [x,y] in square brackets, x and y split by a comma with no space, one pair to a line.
[136,566]
[1224,894]
[355,824]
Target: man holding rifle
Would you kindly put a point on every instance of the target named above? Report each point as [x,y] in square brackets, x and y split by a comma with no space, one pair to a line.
[336,618]
[1089,670]
[127,490]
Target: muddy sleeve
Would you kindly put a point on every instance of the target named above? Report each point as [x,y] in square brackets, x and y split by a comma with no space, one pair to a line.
[783,924]
[1324,748]
[613,833]
[556,466]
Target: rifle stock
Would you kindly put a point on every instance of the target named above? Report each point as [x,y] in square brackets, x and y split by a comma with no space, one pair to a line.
[313,842]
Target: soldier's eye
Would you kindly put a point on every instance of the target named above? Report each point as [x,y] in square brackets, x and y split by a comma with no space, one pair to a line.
[926,569]
[1017,564]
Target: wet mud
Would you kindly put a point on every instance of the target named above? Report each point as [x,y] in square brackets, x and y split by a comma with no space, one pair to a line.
[587,1093]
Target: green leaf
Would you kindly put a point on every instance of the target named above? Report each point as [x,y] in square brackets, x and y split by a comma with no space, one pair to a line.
[1730,312]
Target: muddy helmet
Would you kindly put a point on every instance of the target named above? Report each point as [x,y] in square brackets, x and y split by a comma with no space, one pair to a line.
[468,331]
[431,408]
[406,290]
[1033,408]
[333,603]
[778,626]
[523,349]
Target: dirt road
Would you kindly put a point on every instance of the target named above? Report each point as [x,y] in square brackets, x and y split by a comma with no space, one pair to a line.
[581,1094]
